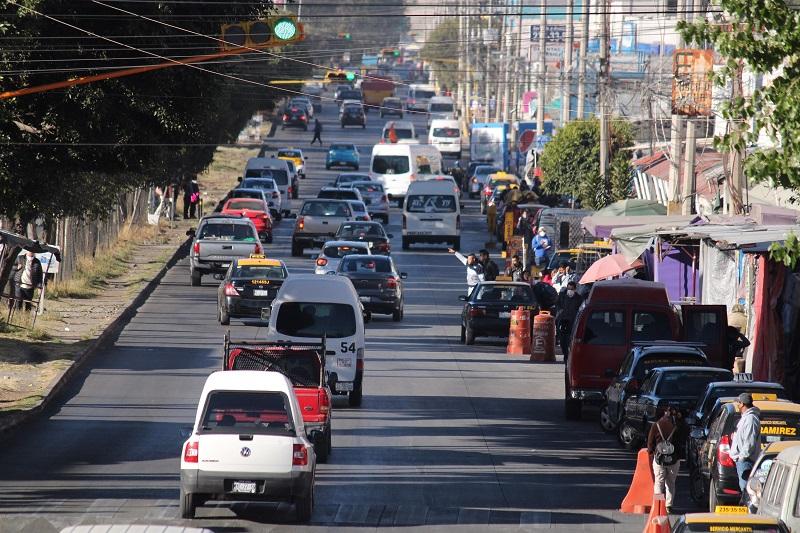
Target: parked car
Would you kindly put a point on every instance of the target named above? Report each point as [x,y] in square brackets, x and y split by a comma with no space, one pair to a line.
[254,209]
[378,283]
[487,309]
[345,178]
[730,389]
[370,232]
[374,198]
[693,522]
[248,288]
[751,498]
[392,106]
[479,177]
[353,115]
[276,461]
[359,210]
[218,240]
[317,222]
[295,116]
[332,253]
[677,386]
[636,366]
[342,155]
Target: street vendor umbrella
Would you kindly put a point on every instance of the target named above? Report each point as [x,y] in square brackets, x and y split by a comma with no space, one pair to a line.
[610,266]
[632,207]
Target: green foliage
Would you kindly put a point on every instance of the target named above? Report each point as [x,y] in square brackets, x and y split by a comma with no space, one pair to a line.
[786,253]
[764,38]
[442,43]
[571,163]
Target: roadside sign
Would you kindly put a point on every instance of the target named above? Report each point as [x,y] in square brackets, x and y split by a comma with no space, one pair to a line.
[508,226]
[553,33]
[526,140]
[691,82]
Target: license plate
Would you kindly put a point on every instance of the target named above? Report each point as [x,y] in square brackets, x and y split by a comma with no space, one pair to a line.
[344,362]
[225,265]
[344,387]
[364,299]
[260,292]
[504,314]
[245,487]
[420,233]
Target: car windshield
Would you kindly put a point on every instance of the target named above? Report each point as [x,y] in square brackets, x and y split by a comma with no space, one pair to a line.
[280,176]
[338,194]
[335,252]
[246,203]
[343,147]
[504,293]
[350,95]
[690,384]
[246,412]
[662,359]
[244,193]
[288,153]
[259,272]
[392,103]
[226,231]
[369,188]
[390,164]
[378,265]
[352,109]
[450,133]
[732,391]
[431,203]
[402,133]
[360,230]
[258,183]
[441,108]
[315,319]
[326,209]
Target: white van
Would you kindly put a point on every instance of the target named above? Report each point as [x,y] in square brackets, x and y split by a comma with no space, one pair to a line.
[441,107]
[309,307]
[278,169]
[419,96]
[395,166]
[445,134]
[431,213]
[779,498]
[404,131]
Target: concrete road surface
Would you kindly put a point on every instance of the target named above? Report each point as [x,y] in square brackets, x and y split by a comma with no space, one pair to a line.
[449,437]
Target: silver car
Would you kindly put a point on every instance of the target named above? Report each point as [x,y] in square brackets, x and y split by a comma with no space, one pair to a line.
[374,198]
[333,251]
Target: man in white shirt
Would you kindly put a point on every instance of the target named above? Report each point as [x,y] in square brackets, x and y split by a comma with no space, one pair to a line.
[474,269]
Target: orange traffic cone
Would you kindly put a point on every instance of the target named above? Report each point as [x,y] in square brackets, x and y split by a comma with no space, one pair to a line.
[640,494]
[658,518]
[519,335]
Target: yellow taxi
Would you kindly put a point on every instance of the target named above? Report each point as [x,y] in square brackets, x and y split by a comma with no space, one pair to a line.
[248,288]
[498,180]
[733,519]
[295,155]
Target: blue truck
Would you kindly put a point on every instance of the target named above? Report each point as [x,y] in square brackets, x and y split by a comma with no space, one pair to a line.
[489,143]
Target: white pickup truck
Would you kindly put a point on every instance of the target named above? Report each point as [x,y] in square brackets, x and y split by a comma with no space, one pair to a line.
[318,222]
[218,240]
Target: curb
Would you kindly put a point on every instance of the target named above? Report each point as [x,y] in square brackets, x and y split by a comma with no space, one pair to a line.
[109,334]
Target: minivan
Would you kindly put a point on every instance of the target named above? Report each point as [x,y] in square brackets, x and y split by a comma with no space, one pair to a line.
[419,96]
[309,307]
[395,166]
[445,134]
[624,311]
[779,498]
[431,213]
[274,168]
[441,107]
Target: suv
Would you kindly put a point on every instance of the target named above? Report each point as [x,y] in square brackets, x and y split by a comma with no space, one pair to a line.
[317,222]
[248,442]
[295,115]
[392,106]
[353,115]
[218,240]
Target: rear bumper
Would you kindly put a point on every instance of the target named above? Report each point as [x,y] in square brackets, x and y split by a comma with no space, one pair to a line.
[727,485]
[587,395]
[490,326]
[246,307]
[312,238]
[381,304]
[210,267]
[272,487]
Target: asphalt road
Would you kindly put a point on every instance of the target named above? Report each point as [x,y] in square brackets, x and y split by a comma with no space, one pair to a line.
[449,437]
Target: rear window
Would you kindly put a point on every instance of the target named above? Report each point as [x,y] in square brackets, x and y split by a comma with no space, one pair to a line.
[423,93]
[442,108]
[702,326]
[349,178]
[237,193]
[485,171]
[341,251]
[687,383]
[431,203]
[392,103]
[450,133]
[259,272]
[650,326]
[390,164]
[288,153]
[363,265]
[605,328]
[220,231]
[358,207]
[347,231]
[350,95]
[338,194]
[326,209]
[366,188]
[246,412]
[500,293]
[298,319]
[258,183]
[245,203]
[344,147]
[402,133]
[281,177]
[664,360]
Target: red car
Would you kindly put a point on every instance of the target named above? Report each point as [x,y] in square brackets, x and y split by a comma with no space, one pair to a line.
[254,209]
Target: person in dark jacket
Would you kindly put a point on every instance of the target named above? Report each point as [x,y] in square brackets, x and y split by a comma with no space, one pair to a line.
[670,427]
[569,302]
[490,268]
[317,131]
[27,277]
[517,269]
[191,197]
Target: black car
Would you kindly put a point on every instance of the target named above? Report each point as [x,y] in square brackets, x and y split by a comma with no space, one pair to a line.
[636,366]
[487,309]
[295,116]
[392,106]
[248,288]
[371,232]
[730,389]
[677,386]
[353,115]
[378,283]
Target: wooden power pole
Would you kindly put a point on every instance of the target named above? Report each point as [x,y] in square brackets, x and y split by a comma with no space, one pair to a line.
[603,107]
[542,69]
[566,69]
[581,110]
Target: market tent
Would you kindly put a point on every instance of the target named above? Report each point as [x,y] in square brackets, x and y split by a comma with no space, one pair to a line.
[602,226]
[632,207]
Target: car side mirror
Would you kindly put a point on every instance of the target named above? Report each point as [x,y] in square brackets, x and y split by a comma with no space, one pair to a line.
[391,236]
[219,277]
[463,298]
[403,275]
[191,232]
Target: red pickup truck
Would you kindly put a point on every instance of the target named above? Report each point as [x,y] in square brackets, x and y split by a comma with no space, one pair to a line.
[304,365]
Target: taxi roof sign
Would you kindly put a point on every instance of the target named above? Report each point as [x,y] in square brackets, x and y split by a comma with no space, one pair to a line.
[258,256]
[731,509]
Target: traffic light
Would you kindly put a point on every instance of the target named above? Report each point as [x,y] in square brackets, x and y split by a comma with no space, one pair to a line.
[350,76]
[345,36]
[396,53]
[272,31]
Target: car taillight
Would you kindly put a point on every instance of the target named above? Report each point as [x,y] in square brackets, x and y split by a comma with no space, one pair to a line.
[299,455]
[723,449]
[324,401]
[322,262]
[191,453]
[285,117]
[289,190]
[384,246]
[476,311]
[391,283]
[196,248]
[274,194]
[258,250]
[301,223]
[360,361]
[303,118]
[230,290]
[404,222]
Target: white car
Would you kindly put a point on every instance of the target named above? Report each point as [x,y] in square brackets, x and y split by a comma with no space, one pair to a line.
[359,209]
[374,197]
[333,251]
[248,443]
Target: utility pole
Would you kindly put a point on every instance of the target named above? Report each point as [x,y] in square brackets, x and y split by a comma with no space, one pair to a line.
[734,204]
[687,198]
[468,73]
[499,67]
[582,61]
[566,69]
[461,67]
[542,69]
[507,65]
[603,103]
[488,66]
[676,133]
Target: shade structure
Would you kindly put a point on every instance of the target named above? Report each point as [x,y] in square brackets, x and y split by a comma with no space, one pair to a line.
[633,207]
[610,266]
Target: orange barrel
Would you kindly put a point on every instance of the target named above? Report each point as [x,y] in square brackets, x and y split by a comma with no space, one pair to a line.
[543,345]
[519,332]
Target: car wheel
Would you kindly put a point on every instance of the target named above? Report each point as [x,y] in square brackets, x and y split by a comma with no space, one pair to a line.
[463,335]
[297,249]
[321,448]
[696,486]
[397,315]
[188,504]
[628,436]
[367,316]
[304,507]
[469,335]
[406,243]
[354,398]
[572,409]
[606,422]
[278,216]
[224,317]
[713,501]
[197,279]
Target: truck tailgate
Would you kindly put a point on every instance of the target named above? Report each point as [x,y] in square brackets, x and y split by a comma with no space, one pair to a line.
[313,404]
[322,224]
[213,250]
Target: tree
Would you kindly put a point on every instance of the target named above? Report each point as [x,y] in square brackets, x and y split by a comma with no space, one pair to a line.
[443,44]
[571,163]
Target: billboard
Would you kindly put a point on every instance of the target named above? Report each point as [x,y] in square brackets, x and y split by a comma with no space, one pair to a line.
[691,82]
